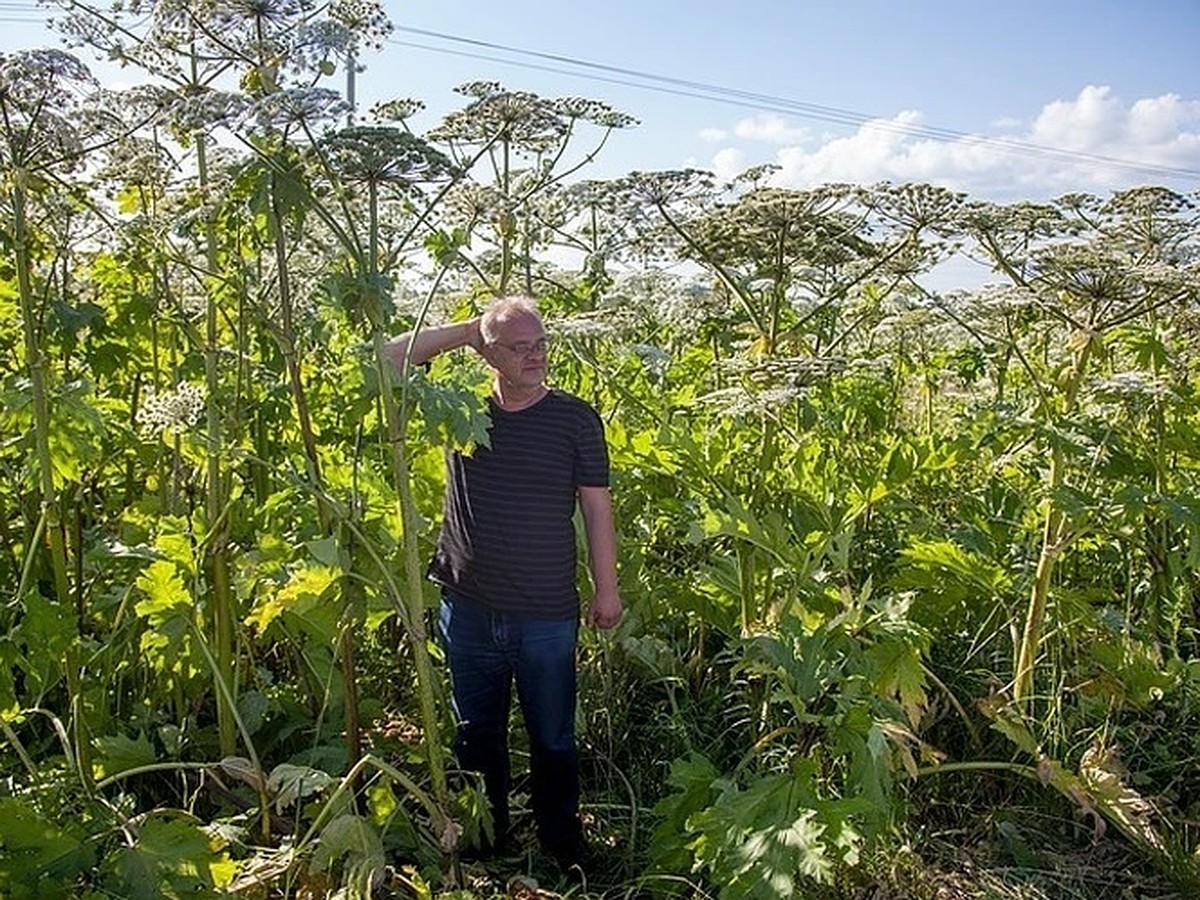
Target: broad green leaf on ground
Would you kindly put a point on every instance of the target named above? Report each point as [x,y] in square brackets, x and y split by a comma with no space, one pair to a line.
[119,753]
[172,858]
[38,858]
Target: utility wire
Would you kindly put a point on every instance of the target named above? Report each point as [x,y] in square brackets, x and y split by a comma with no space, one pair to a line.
[718,93]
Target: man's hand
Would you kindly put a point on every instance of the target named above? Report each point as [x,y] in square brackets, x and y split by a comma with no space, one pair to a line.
[605,611]
[474,335]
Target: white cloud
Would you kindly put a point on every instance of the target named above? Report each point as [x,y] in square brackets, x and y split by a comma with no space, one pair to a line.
[727,163]
[1094,117]
[713,135]
[1085,135]
[771,129]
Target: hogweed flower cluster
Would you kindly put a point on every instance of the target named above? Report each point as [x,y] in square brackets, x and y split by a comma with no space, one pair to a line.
[469,203]
[769,386]
[794,372]
[1133,385]
[524,120]
[205,110]
[585,326]
[367,18]
[316,43]
[399,109]
[138,161]
[306,106]
[171,411]
[655,360]
[232,15]
[383,154]
[38,91]
[594,111]
[738,402]
[34,80]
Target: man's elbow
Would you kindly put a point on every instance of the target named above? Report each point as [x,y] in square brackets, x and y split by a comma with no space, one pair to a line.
[398,349]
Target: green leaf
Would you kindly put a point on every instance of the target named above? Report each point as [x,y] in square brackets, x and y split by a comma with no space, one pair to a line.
[304,591]
[10,709]
[120,753]
[454,415]
[37,858]
[948,558]
[172,858]
[757,841]
[352,841]
[897,671]
[289,783]
[324,551]
[46,631]
[695,787]
[166,595]
[382,803]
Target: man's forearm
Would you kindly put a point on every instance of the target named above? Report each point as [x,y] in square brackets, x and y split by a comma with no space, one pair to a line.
[600,529]
[429,342]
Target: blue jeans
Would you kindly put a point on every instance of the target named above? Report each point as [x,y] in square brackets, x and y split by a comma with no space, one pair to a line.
[487,652]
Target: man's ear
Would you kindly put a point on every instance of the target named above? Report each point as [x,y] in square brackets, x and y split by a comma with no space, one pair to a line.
[488,352]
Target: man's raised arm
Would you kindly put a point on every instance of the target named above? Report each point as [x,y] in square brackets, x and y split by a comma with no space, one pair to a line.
[431,341]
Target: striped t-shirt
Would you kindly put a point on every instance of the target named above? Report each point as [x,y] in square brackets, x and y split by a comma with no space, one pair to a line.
[507,538]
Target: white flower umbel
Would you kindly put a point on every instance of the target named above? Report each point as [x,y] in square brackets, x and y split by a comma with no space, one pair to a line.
[172,411]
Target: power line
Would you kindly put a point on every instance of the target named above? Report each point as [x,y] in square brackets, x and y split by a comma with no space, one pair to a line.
[767,102]
[602,72]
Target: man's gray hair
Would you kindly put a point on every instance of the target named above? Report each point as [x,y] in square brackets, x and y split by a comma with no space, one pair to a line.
[505,309]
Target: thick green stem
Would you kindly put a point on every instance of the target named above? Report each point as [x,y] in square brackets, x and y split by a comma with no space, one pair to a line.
[413,613]
[221,595]
[1053,532]
[287,343]
[35,360]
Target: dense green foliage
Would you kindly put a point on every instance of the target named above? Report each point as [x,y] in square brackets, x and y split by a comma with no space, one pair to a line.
[898,564]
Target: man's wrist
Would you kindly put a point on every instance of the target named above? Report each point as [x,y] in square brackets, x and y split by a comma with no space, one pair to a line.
[472,337]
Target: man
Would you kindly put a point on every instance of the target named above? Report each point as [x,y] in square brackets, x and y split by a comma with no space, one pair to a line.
[506,562]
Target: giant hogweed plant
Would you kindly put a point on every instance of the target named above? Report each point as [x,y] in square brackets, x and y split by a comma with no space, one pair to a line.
[520,147]
[40,150]
[1097,273]
[192,52]
[789,263]
[834,708]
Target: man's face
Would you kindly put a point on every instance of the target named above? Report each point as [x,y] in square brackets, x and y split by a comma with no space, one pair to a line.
[518,353]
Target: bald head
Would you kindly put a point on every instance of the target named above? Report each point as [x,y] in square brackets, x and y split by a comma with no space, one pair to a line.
[504,310]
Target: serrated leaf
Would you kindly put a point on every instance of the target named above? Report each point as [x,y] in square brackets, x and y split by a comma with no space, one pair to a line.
[120,753]
[166,595]
[34,849]
[304,590]
[289,783]
[757,840]
[897,671]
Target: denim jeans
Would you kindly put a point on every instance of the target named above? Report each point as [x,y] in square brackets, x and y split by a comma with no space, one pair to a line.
[487,652]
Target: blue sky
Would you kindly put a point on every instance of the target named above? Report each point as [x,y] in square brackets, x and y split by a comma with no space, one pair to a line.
[907,82]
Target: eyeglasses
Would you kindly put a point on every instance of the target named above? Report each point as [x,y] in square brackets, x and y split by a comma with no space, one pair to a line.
[525,348]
